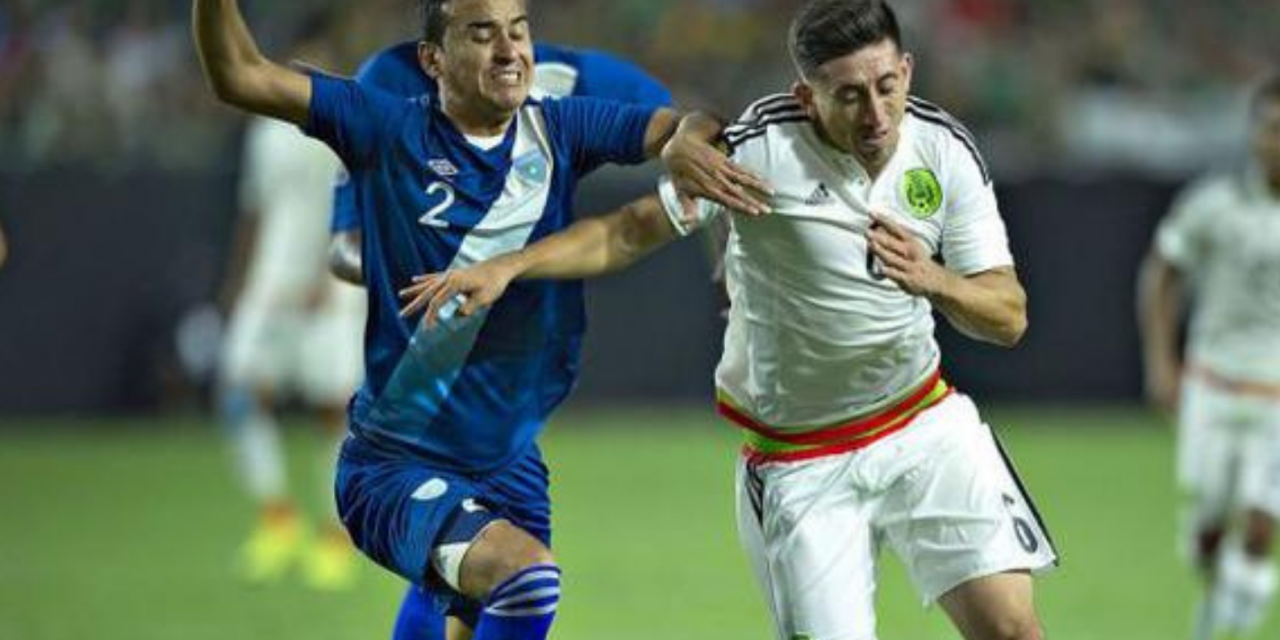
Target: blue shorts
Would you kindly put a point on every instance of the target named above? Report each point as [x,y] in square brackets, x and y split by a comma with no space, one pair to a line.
[398,509]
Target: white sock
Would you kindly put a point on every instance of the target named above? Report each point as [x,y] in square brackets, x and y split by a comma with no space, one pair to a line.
[255,443]
[1250,584]
[261,457]
[1213,613]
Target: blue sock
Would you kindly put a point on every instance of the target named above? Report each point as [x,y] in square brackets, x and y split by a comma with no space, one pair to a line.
[523,607]
[418,618]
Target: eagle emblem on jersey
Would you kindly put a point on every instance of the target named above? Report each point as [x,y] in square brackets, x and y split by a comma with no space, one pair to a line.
[921,193]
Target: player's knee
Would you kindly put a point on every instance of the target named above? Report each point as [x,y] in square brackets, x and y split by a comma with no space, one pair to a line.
[1017,628]
[1258,534]
[500,552]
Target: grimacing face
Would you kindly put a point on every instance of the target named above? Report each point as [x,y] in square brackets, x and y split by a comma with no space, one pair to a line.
[486,63]
[859,101]
[1266,139]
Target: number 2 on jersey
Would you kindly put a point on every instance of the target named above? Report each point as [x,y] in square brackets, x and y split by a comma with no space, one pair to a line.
[433,216]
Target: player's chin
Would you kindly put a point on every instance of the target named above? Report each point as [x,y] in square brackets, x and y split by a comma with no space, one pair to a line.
[508,98]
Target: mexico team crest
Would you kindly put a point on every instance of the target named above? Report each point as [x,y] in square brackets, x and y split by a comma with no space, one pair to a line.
[921,193]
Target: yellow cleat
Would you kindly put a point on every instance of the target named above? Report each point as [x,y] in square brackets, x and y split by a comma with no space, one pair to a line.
[271,549]
[331,563]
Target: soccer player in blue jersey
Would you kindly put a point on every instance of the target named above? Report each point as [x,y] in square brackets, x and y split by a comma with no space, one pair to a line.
[440,479]
[558,72]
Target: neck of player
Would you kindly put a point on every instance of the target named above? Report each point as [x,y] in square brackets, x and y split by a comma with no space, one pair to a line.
[474,119]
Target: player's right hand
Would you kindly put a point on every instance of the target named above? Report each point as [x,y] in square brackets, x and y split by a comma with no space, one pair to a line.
[701,170]
[476,287]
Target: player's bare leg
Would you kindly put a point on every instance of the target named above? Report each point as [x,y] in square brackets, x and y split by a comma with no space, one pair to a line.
[996,607]
[455,629]
[516,578]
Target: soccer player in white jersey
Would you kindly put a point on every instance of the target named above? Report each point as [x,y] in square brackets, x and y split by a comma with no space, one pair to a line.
[854,440]
[294,331]
[1221,243]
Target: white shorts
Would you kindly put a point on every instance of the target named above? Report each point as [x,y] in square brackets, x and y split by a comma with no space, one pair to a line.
[1228,452]
[940,493]
[315,353]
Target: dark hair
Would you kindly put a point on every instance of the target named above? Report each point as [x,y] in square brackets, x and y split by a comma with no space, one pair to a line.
[435,20]
[828,29]
[1266,93]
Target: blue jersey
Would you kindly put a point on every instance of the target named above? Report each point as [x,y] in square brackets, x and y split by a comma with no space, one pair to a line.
[472,393]
[560,72]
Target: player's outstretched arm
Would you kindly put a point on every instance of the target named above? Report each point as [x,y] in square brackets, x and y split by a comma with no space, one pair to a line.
[698,167]
[990,306]
[1159,304]
[237,71]
[589,247]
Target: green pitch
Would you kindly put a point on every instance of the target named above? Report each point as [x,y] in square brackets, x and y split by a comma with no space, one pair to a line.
[123,530]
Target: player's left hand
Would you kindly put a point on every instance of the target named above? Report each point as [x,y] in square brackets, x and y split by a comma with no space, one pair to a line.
[904,259]
[477,287]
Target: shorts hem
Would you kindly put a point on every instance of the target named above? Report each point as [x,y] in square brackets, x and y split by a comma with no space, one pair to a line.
[930,597]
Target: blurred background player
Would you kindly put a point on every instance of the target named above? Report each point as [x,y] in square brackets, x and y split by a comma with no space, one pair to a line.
[559,71]
[4,248]
[1220,245]
[294,334]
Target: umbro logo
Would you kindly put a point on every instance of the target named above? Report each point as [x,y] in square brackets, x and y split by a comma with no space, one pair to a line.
[442,167]
[820,196]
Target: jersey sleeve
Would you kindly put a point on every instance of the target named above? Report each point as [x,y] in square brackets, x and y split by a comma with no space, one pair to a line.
[597,132]
[354,121]
[974,238]
[1182,237]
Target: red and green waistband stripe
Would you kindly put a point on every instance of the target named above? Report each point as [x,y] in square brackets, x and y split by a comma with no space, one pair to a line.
[766,444]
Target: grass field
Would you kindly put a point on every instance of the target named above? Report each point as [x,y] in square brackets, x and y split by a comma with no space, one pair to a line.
[122,529]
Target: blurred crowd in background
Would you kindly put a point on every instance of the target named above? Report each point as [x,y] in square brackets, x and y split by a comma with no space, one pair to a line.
[1154,86]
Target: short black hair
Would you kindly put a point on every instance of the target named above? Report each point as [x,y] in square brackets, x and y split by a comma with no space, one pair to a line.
[1266,94]
[828,29]
[435,20]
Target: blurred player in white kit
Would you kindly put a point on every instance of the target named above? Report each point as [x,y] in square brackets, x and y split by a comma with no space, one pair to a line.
[1221,244]
[294,333]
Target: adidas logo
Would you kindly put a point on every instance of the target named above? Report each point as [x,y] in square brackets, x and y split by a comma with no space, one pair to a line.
[821,195]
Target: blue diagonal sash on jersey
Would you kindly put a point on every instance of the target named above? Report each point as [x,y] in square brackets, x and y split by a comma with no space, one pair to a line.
[419,386]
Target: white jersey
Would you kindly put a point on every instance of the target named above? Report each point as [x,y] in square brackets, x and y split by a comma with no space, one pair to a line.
[288,183]
[816,335]
[1224,235]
